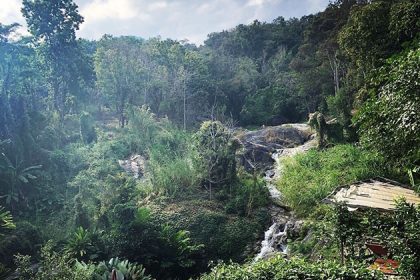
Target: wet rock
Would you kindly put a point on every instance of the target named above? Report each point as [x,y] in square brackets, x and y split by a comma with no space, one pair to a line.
[281,142]
[259,146]
[295,230]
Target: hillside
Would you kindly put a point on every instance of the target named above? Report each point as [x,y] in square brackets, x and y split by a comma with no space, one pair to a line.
[155,158]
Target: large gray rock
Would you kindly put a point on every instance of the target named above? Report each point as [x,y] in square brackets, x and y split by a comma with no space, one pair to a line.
[258,146]
[134,165]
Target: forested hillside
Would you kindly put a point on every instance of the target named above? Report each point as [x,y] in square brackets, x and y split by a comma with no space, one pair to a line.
[75,113]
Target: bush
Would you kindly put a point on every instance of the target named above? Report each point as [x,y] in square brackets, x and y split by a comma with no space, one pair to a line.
[87,128]
[124,270]
[53,266]
[308,178]
[215,159]
[59,266]
[25,239]
[249,195]
[173,175]
[404,238]
[278,268]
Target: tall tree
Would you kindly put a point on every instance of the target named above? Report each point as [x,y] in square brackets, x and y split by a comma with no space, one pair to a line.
[121,75]
[53,23]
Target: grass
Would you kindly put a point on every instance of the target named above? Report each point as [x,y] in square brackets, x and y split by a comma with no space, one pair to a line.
[308,178]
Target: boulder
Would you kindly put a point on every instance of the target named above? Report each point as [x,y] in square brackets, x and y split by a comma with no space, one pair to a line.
[134,165]
[258,146]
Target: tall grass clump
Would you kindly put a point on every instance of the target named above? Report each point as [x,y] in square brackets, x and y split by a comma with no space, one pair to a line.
[308,178]
[172,175]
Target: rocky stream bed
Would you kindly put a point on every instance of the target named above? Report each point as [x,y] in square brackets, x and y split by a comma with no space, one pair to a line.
[264,149]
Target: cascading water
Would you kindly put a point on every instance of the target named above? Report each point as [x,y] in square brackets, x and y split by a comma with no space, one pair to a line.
[275,237]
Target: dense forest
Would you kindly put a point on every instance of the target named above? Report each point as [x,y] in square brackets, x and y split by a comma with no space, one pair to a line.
[72,111]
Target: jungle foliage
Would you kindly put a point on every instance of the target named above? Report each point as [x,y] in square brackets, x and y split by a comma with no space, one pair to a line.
[71,108]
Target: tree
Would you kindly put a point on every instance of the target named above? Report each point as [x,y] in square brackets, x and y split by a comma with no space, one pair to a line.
[120,73]
[216,154]
[6,31]
[365,40]
[53,25]
[389,120]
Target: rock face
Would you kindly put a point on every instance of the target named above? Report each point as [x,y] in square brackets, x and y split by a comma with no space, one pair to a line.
[260,145]
[133,165]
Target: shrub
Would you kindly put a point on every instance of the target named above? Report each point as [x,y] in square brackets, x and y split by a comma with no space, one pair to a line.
[278,268]
[124,270]
[25,239]
[53,266]
[249,195]
[404,238]
[87,129]
[173,175]
[215,154]
[80,243]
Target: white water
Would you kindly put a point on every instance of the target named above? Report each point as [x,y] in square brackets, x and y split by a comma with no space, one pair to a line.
[276,236]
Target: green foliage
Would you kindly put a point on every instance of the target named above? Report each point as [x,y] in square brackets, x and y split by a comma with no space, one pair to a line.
[63,14]
[54,25]
[61,100]
[15,176]
[317,122]
[4,271]
[404,20]
[119,72]
[274,104]
[172,175]
[23,267]
[224,236]
[404,238]
[318,238]
[179,253]
[366,41]
[80,243]
[87,129]
[24,239]
[397,230]
[248,195]
[123,270]
[143,216]
[308,178]
[278,268]
[389,119]
[216,154]
[347,229]
[158,137]
[6,221]
[53,266]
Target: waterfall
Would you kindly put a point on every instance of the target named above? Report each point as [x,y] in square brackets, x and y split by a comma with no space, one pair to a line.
[275,238]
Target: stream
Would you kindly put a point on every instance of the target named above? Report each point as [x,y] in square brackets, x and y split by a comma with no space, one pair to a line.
[275,238]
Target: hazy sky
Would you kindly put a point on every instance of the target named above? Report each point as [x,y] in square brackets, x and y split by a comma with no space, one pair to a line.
[176,19]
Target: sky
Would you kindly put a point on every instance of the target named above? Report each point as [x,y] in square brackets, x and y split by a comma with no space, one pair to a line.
[188,20]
